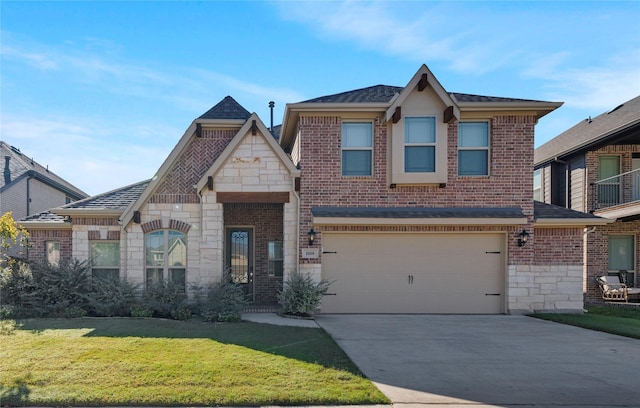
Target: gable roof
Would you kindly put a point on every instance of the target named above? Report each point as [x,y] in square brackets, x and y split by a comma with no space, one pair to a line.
[605,128]
[21,166]
[228,108]
[237,140]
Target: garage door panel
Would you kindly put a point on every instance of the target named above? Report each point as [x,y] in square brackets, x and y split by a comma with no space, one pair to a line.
[413,273]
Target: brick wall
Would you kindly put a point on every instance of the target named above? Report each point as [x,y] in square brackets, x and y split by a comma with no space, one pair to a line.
[266,220]
[509,184]
[195,160]
[598,253]
[39,238]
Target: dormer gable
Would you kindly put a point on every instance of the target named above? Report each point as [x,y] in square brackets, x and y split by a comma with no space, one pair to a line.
[418,118]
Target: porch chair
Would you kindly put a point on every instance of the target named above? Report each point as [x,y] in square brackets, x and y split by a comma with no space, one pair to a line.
[614,290]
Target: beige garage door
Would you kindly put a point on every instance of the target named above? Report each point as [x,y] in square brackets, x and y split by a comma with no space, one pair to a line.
[413,273]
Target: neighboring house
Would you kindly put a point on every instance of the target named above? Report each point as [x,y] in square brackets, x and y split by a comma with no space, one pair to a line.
[28,188]
[594,167]
[409,199]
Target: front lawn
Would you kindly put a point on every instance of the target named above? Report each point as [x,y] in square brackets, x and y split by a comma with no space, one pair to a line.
[127,361]
[624,321]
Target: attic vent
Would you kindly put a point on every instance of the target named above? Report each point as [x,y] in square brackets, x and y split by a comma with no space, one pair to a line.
[15,149]
[616,108]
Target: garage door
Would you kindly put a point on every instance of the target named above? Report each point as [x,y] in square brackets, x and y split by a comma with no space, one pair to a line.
[413,273]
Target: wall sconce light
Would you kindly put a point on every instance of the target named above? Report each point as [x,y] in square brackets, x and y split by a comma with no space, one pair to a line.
[523,237]
[312,236]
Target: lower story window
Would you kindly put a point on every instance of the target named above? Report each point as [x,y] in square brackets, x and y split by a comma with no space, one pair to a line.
[275,258]
[621,253]
[53,252]
[166,257]
[105,259]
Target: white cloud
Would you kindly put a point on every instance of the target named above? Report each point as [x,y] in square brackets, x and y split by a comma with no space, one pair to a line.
[597,88]
[92,155]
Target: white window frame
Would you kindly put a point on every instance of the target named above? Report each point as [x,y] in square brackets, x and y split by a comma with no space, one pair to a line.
[486,148]
[537,185]
[344,148]
[432,144]
[96,268]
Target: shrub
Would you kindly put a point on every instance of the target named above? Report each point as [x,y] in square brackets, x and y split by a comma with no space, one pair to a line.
[225,302]
[111,297]
[141,311]
[164,297]
[301,295]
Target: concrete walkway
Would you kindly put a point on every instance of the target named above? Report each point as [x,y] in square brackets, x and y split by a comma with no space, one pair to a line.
[487,361]
[273,318]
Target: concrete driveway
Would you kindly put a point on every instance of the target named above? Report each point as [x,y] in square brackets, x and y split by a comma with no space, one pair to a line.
[489,360]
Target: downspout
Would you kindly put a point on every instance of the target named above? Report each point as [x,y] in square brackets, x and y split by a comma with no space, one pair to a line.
[297,230]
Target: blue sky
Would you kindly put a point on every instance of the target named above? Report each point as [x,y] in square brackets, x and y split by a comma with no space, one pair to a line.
[102,91]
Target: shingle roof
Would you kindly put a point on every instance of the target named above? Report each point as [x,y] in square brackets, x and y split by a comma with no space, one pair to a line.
[417,212]
[45,216]
[115,199]
[227,108]
[21,166]
[590,131]
[550,211]
[384,93]
[372,94]
[461,97]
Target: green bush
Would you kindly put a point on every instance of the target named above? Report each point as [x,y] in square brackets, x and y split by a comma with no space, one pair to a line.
[141,311]
[164,298]
[301,295]
[225,302]
[111,297]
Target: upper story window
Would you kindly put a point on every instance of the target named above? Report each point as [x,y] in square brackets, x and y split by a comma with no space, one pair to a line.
[105,259]
[419,144]
[53,252]
[537,185]
[473,149]
[166,257]
[357,148]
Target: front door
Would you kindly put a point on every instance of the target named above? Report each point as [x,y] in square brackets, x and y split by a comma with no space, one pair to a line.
[239,258]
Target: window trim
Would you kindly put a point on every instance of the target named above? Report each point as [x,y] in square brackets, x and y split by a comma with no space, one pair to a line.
[486,148]
[359,148]
[166,269]
[433,144]
[104,267]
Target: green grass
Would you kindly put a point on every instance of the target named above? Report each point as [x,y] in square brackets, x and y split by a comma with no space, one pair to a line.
[123,361]
[623,321]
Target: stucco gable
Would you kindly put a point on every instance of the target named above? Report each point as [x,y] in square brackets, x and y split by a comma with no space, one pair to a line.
[422,80]
[252,161]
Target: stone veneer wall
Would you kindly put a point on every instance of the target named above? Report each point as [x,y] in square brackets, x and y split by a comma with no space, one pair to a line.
[554,280]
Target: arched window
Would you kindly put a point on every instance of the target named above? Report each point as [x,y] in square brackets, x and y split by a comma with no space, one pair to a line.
[166,257]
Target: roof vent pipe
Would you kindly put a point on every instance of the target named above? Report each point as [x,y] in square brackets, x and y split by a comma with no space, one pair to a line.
[7,170]
[271,105]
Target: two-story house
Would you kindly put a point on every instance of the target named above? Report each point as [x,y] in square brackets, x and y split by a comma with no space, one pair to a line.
[594,167]
[408,199]
[28,188]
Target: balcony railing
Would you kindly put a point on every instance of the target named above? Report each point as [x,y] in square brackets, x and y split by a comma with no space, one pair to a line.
[621,189]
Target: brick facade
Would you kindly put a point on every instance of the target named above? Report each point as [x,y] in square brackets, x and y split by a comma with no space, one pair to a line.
[39,238]
[266,221]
